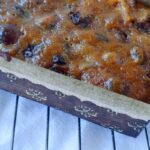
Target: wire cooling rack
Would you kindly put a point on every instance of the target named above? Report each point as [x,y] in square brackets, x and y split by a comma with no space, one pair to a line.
[27,125]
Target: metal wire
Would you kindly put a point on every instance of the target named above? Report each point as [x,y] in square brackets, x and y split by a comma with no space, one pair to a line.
[79,132]
[15,119]
[47,129]
[147,138]
[113,140]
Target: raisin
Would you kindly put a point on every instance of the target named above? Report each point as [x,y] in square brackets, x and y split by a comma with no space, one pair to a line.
[9,34]
[85,22]
[75,17]
[52,26]
[122,35]
[28,52]
[59,69]
[144,26]
[58,59]
[32,50]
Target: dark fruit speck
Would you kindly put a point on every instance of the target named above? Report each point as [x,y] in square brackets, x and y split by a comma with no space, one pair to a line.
[144,26]
[9,34]
[28,52]
[59,69]
[32,50]
[122,35]
[58,59]
[52,26]
[75,17]
[85,22]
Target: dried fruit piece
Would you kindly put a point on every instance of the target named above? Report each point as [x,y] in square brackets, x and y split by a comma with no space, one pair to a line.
[122,36]
[144,26]
[33,50]
[63,69]
[58,59]
[52,26]
[76,19]
[9,34]
[85,22]
[28,52]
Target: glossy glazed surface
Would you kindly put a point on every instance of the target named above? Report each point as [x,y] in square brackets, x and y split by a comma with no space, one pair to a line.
[104,42]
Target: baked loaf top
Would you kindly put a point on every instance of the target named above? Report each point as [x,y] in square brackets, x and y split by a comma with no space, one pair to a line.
[104,42]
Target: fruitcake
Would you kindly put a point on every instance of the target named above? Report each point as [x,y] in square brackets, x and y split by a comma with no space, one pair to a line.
[102,42]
